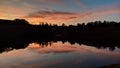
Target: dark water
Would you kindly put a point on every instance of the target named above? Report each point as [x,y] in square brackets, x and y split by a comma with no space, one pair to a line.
[59,55]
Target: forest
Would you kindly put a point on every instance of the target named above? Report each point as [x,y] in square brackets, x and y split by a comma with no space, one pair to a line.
[19,33]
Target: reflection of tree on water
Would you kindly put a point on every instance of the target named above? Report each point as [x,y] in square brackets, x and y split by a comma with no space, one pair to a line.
[23,44]
[98,34]
[98,45]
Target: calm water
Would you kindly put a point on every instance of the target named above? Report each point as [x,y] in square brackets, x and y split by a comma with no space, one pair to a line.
[59,55]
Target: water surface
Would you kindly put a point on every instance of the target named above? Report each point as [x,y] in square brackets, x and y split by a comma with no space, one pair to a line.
[59,55]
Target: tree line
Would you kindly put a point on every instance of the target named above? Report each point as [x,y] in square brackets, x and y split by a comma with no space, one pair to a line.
[98,33]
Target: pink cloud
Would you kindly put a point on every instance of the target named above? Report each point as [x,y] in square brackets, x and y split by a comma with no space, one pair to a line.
[61,16]
[28,6]
[107,11]
[82,5]
[15,10]
[65,16]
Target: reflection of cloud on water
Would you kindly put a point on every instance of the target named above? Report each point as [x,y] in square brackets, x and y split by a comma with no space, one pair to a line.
[38,56]
[59,47]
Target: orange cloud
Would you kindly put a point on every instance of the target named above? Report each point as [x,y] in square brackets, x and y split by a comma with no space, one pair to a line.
[61,16]
[47,16]
[11,12]
[2,14]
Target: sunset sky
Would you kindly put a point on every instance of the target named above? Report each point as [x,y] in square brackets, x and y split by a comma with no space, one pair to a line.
[60,11]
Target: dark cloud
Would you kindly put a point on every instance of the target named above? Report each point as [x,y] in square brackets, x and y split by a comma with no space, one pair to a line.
[52,1]
[52,15]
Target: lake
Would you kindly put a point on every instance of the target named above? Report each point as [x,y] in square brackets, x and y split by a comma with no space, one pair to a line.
[59,55]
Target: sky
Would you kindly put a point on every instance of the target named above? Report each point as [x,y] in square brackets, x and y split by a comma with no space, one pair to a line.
[69,12]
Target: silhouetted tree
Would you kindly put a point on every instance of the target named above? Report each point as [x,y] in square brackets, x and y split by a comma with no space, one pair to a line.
[105,34]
